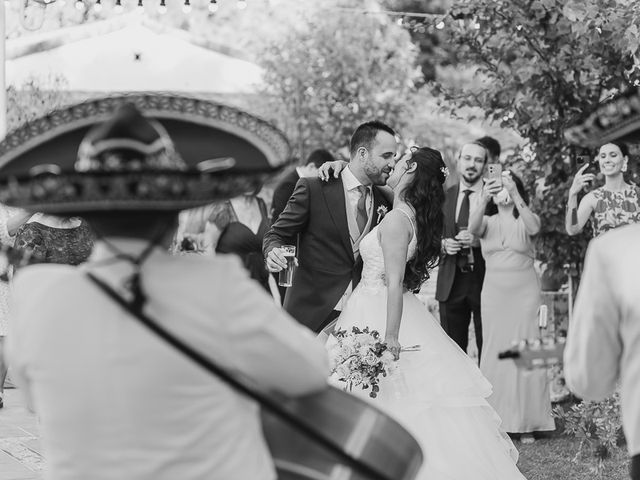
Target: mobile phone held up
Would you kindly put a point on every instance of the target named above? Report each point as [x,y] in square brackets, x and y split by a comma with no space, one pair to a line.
[582,160]
[494,172]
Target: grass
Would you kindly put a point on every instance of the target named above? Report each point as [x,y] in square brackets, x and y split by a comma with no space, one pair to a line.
[550,458]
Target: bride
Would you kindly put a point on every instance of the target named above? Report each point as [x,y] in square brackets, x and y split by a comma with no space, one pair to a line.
[437,392]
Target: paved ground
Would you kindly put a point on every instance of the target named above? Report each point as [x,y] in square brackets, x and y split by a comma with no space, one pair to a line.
[20,452]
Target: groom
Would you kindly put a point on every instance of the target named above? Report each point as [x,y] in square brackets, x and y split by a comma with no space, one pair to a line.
[331,219]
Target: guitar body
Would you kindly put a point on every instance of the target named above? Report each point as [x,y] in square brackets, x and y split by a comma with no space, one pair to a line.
[359,428]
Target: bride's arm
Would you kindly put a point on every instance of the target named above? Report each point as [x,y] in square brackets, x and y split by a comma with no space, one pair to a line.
[395,235]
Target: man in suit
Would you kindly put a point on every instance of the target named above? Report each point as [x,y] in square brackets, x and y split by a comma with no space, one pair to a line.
[331,218]
[461,270]
[287,185]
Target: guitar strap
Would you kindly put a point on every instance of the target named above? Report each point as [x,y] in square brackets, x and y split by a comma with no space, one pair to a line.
[265,401]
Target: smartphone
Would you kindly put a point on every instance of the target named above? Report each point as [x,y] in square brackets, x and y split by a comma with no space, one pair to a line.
[494,172]
[582,160]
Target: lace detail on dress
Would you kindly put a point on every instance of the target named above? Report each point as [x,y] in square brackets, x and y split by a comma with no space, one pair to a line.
[373,261]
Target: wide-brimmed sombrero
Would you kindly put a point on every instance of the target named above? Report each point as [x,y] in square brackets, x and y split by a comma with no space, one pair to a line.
[614,119]
[137,152]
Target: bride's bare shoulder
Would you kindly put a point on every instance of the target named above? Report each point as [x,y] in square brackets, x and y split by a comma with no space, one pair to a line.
[396,224]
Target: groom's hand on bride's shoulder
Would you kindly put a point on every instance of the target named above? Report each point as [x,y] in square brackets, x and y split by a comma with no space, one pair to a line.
[325,170]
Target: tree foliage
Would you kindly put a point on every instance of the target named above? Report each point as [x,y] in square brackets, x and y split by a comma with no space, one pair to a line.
[540,65]
[30,101]
[432,50]
[336,70]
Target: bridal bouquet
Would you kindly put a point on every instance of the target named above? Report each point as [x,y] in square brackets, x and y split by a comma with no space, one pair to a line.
[359,357]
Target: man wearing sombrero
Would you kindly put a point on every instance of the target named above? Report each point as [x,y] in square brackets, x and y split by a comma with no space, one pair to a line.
[603,345]
[114,400]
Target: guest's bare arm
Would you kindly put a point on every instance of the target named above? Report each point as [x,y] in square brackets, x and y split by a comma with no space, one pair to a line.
[577,215]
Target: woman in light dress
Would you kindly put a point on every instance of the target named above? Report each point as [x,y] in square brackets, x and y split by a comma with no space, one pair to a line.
[437,392]
[505,225]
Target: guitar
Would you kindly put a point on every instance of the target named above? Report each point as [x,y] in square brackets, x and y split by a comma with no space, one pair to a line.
[536,353]
[350,424]
[359,428]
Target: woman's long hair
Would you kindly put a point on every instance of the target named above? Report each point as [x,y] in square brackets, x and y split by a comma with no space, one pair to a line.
[425,194]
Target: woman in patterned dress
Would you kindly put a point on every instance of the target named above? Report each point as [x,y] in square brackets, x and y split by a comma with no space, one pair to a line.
[55,239]
[10,220]
[614,204]
[49,239]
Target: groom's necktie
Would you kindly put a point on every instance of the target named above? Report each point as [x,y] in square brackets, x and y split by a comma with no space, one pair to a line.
[361,209]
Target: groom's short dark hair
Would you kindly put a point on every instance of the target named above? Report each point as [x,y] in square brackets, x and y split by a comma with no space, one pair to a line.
[365,135]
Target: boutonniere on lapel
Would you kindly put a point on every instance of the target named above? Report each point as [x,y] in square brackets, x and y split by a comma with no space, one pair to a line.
[382,211]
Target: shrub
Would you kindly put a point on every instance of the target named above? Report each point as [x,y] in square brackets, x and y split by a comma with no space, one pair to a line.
[598,425]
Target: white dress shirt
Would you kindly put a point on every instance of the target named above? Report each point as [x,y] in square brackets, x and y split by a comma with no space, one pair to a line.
[350,184]
[603,346]
[116,402]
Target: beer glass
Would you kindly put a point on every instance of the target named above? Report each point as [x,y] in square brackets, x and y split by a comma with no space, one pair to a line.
[285,278]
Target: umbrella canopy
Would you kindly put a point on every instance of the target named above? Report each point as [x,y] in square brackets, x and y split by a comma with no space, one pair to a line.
[135,58]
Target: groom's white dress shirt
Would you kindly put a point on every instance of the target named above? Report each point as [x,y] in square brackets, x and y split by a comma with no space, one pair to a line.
[116,402]
[603,346]
[350,184]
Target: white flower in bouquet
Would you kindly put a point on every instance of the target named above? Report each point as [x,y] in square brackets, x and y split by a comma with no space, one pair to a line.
[342,371]
[364,350]
[356,378]
[370,358]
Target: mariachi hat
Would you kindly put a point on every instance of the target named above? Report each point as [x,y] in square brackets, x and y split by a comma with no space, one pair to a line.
[137,152]
[615,119]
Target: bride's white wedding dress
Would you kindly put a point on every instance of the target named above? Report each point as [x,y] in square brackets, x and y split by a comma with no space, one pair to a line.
[438,392]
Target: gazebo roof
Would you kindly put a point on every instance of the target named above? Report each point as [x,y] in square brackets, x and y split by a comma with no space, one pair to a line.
[129,56]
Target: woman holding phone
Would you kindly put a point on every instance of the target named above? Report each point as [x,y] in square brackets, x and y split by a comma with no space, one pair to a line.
[509,304]
[612,205]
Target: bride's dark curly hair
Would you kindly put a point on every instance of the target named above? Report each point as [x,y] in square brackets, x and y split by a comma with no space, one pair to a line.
[425,194]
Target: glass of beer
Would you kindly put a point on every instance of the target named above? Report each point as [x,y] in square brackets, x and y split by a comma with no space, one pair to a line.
[285,278]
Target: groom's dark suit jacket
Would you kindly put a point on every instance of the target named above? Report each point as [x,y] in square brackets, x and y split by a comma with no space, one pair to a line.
[317,211]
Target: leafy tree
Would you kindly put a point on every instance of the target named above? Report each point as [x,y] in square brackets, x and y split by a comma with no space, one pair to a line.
[540,65]
[432,50]
[30,101]
[336,69]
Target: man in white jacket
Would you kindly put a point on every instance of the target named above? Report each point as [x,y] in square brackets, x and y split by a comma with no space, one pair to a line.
[115,401]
